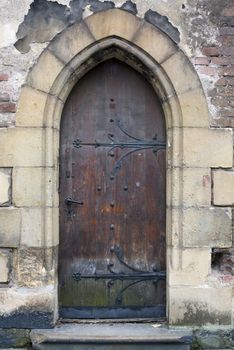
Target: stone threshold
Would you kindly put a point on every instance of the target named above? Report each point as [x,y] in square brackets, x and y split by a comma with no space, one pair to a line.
[111,333]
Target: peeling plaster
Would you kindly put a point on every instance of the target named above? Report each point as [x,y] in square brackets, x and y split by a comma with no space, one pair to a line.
[47,18]
[163,23]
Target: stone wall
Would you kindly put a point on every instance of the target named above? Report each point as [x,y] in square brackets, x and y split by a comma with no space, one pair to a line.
[201,259]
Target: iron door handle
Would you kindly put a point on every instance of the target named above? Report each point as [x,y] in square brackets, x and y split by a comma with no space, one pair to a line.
[69,201]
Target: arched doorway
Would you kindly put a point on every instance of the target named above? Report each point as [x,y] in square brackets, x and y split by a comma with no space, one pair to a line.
[112,255]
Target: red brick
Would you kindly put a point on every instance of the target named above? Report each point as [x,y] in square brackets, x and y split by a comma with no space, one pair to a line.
[211,51]
[223,122]
[208,70]
[229,12]
[203,61]
[225,81]
[227,112]
[7,107]
[227,30]
[227,40]
[4,97]
[227,91]
[231,101]
[227,72]
[4,77]
[222,61]
[220,101]
[228,50]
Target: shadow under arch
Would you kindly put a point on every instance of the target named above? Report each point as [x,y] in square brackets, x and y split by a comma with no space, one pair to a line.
[126,52]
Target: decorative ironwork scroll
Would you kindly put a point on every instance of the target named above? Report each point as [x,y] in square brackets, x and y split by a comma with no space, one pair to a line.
[135,276]
[133,145]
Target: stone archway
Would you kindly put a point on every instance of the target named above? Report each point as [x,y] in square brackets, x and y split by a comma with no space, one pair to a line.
[190,154]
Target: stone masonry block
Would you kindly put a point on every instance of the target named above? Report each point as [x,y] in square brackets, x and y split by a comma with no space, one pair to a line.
[51,227]
[173,67]
[154,42]
[53,112]
[44,231]
[32,235]
[10,226]
[30,111]
[200,306]
[33,187]
[208,147]
[44,73]
[6,147]
[196,187]
[4,266]
[40,272]
[113,22]
[21,147]
[223,187]
[194,269]
[194,109]
[207,227]
[196,184]
[27,145]
[5,186]
[73,40]
[23,308]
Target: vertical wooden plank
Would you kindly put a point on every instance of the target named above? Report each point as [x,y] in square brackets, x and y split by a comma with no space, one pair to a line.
[125,208]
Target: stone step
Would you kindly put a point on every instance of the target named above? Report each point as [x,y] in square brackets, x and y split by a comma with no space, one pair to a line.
[111,336]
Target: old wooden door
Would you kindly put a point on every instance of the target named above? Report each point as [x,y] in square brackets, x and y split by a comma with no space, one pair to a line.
[112,197]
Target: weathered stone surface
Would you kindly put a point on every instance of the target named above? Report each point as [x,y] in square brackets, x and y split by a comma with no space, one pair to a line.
[200,305]
[30,111]
[163,23]
[120,336]
[10,225]
[214,338]
[21,147]
[196,184]
[154,42]
[6,149]
[208,147]
[33,187]
[113,22]
[4,265]
[28,319]
[223,187]
[194,268]
[176,64]
[50,66]
[207,227]
[42,262]
[194,109]
[23,307]
[67,45]
[113,346]
[44,231]
[14,338]
[5,186]
[223,262]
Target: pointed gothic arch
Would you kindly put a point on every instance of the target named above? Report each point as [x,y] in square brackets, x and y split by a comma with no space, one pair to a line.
[76,50]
